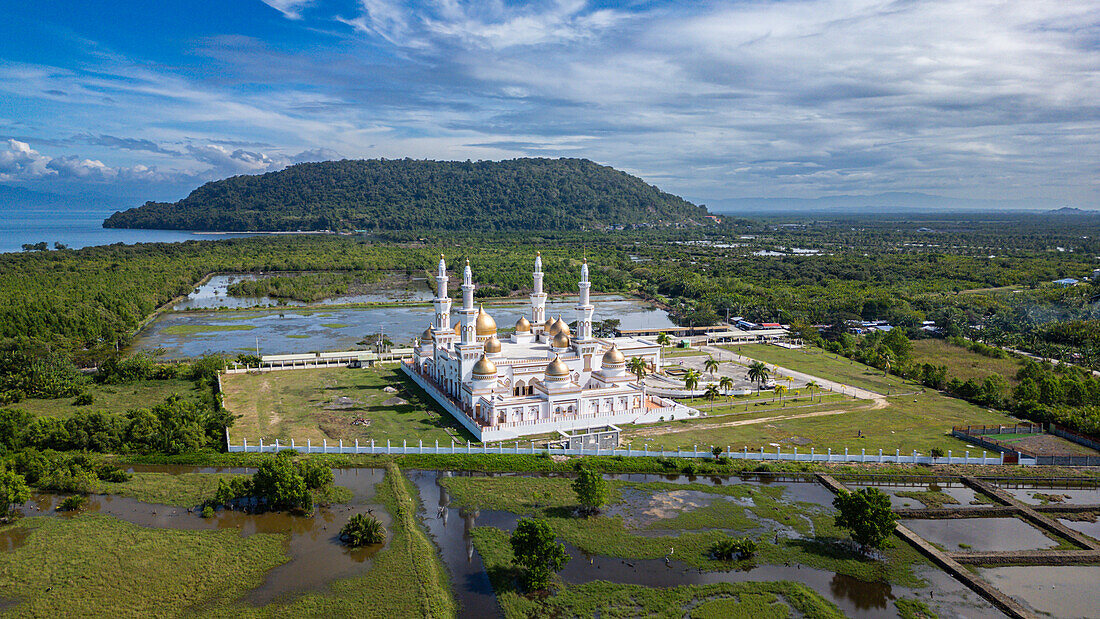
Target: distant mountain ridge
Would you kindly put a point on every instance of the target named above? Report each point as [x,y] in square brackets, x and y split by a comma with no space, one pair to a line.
[407,194]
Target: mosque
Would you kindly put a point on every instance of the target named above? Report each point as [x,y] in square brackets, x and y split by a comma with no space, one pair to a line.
[541,378]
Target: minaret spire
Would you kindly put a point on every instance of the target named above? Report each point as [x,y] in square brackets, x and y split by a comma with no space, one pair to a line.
[538,297]
[584,307]
[442,302]
[468,312]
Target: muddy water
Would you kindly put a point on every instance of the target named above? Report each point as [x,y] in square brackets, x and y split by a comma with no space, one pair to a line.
[1070,496]
[450,529]
[981,534]
[1092,529]
[1063,591]
[316,556]
[966,496]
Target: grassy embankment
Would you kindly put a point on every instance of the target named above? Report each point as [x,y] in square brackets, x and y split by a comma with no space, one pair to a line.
[95,565]
[191,489]
[301,404]
[112,398]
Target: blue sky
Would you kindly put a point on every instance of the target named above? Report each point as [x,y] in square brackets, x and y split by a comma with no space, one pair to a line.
[710,100]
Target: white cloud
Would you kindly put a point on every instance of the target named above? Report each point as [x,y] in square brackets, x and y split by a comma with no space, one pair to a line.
[291,9]
[20,161]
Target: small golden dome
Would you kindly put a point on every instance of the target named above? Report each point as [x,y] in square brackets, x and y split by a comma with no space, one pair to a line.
[560,326]
[427,334]
[613,356]
[492,344]
[485,368]
[561,340]
[549,325]
[484,324]
[557,368]
[523,325]
[458,328]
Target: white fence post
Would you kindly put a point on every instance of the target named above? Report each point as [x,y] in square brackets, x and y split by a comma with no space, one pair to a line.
[276,445]
[309,445]
[244,445]
[261,445]
[324,445]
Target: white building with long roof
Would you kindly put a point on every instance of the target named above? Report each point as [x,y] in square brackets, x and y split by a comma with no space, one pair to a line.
[541,378]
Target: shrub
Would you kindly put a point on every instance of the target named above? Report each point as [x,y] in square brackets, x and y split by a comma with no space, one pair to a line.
[13,490]
[689,468]
[591,490]
[207,512]
[534,548]
[110,472]
[72,503]
[733,548]
[937,453]
[867,515]
[278,482]
[315,473]
[83,399]
[362,530]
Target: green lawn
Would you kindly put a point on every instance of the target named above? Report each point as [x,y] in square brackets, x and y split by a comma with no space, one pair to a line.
[302,404]
[113,398]
[962,363]
[820,363]
[920,421]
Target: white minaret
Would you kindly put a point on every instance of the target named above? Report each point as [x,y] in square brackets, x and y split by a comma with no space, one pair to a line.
[442,301]
[538,297]
[584,307]
[468,311]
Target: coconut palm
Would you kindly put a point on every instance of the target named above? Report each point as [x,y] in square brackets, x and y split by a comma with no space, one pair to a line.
[637,366]
[813,386]
[758,373]
[711,392]
[691,381]
[887,359]
[779,391]
[725,383]
[663,339]
[710,365]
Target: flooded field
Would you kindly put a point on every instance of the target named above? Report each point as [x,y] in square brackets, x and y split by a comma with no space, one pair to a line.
[920,495]
[980,534]
[213,294]
[1068,591]
[288,330]
[450,528]
[316,555]
[1039,494]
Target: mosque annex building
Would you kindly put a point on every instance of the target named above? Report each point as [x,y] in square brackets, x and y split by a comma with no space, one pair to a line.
[542,378]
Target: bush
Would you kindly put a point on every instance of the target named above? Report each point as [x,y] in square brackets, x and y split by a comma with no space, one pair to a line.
[535,549]
[733,549]
[937,453]
[207,512]
[72,503]
[362,530]
[867,515]
[278,482]
[315,473]
[689,468]
[83,399]
[110,472]
[591,490]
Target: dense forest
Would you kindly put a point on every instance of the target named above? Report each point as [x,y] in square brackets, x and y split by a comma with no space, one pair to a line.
[407,194]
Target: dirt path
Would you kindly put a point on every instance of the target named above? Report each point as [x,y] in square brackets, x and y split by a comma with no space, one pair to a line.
[661,430]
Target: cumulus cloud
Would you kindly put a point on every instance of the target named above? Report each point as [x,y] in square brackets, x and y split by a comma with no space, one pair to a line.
[19,161]
[226,162]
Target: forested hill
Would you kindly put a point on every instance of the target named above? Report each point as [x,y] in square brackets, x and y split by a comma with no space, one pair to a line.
[406,194]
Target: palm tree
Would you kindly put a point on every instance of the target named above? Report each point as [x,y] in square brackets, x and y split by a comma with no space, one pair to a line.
[813,386]
[887,359]
[638,367]
[725,383]
[779,391]
[711,392]
[710,365]
[758,373]
[691,381]
[663,339]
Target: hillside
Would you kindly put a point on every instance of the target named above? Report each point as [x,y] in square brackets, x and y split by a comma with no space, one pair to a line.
[406,194]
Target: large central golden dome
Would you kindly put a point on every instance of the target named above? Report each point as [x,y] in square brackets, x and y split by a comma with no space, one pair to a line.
[557,368]
[484,324]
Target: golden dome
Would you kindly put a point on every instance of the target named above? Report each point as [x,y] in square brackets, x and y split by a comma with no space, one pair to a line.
[492,344]
[484,324]
[549,325]
[458,328]
[560,326]
[557,368]
[427,334]
[613,356]
[485,368]
[523,325]
[561,340]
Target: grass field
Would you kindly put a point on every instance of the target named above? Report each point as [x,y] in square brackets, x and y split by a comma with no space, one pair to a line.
[826,365]
[113,398]
[303,404]
[962,363]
